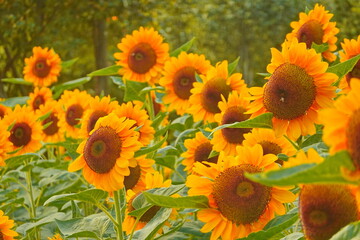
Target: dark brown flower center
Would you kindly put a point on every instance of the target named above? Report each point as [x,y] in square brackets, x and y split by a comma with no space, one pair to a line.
[53,127]
[41,69]
[202,153]
[1,236]
[20,134]
[93,119]
[355,72]
[38,101]
[240,200]
[2,113]
[310,32]
[290,92]
[353,137]
[183,82]
[73,114]
[271,148]
[131,180]
[148,215]
[325,209]
[234,114]
[142,58]
[211,94]
[102,149]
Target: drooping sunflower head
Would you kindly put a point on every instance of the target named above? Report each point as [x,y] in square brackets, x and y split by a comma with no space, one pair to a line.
[198,150]
[39,97]
[315,27]
[5,227]
[325,209]
[105,156]
[26,131]
[97,108]
[51,128]
[297,88]
[179,76]
[43,67]
[236,203]
[351,48]
[206,95]
[142,55]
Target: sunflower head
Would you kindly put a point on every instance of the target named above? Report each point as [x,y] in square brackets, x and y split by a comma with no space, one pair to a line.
[52,132]
[6,145]
[39,97]
[5,227]
[351,48]
[43,68]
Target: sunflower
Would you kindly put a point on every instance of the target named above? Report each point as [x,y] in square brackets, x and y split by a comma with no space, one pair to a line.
[351,49]
[105,156]
[269,142]
[55,237]
[238,206]
[74,104]
[315,27]
[304,158]
[53,132]
[97,108]
[152,180]
[5,145]
[297,88]
[142,55]
[207,94]
[43,68]
[342,125]
[198,150]
[26,131]
[3,109]
[5,227]
[39,97]
[179,76]
[134,112]
[136,181]
[232,110]
[325,209]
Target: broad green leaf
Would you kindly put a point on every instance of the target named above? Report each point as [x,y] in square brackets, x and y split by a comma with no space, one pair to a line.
[150,149]
[316,138]
[132,90]
[12,102]
[183,48]
[166,161]
[173,232]
[341,69]
[232,66]
[320,48]
[179,202]
[93,196]
[20,81]
[118,81]
[68,63]
[282,223]
[262,121]
[328,171]
[193,228]
[108,71]
[45,116]
[49,219]
[16,161]
[60,88]
[158,119]
[183,134]
[351,231]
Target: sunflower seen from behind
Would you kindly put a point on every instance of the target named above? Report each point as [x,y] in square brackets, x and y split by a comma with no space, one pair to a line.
[39,97]
[5,227]
[298,87]
[237,205]
[179,76]
[43,67]
[207,94]
[142,55]
[105,155]
[315,27]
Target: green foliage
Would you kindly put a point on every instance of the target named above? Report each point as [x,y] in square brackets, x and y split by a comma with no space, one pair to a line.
[351,231]
[108,71]
[177,202]
[341,69]
[183,48]
[92,196]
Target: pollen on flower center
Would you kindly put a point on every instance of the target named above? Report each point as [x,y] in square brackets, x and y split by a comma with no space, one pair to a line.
[311,32]
[234,114]
[73,114]
[183,82]
[240,200]
[353,137]
[211,94]
[102,149]
[20,134]
[142,58]
[290,92]
[41,69]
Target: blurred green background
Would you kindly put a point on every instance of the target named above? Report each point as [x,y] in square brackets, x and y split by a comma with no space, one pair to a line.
[90,30]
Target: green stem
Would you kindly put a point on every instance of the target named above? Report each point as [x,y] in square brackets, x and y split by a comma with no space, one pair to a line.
[150,107]
[133,228]
[117,203]
[32,200]
[102,208]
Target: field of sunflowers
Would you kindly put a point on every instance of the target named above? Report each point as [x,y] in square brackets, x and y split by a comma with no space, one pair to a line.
[191,151]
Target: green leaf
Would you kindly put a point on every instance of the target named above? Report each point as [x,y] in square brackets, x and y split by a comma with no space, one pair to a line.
[149,89]
[183,134]
[92,196]
[313,139]
[45,116]
[49,219]
[328,171]
[60,88]
[149,149]
[276,226]
[20,81]
[118,81]
[351,231]
[68,63]
[264,74]
[213,154]
[132,90]
[341,69]
[262,121]
[198,78]
[166,161]
[183,48]
[108,71]
[16,161]
[232,66]
[180,202]
[320,48]
[12,102]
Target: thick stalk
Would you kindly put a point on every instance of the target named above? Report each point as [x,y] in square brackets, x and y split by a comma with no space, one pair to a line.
[119,229]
